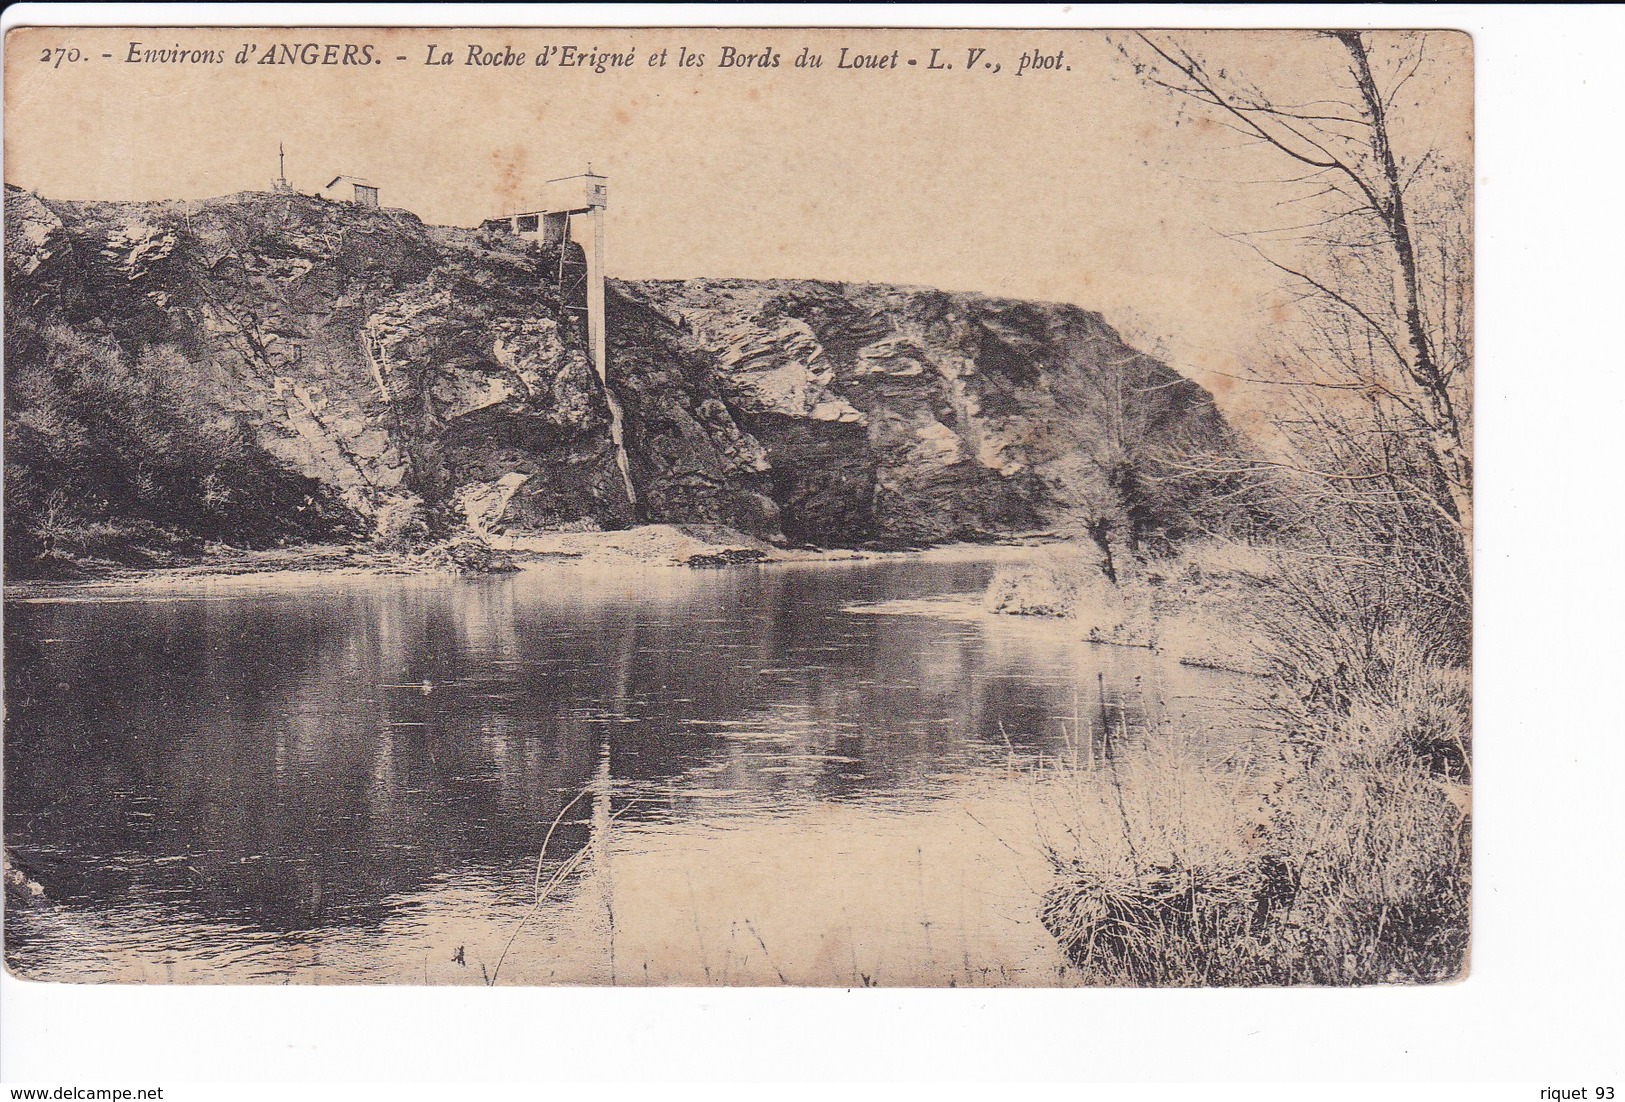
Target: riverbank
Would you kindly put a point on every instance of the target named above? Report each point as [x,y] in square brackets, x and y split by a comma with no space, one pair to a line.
[1334,851]
[659,546]
[1191,606]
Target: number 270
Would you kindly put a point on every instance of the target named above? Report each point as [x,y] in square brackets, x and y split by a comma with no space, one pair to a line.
[60,54]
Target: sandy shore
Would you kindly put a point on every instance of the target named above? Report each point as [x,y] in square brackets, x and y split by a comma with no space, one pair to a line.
[688,546]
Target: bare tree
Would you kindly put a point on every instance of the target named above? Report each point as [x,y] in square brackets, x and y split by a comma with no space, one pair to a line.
[1141,420]
[1377,377]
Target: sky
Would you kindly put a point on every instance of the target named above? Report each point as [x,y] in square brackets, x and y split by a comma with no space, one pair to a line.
[1076,184]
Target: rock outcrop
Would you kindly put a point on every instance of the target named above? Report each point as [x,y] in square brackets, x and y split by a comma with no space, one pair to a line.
[374,363]
[906,414]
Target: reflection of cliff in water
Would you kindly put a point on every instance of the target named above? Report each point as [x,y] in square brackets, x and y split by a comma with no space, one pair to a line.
[293,759]
[272,761]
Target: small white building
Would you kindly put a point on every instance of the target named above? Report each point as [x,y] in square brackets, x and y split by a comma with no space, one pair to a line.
[350,189]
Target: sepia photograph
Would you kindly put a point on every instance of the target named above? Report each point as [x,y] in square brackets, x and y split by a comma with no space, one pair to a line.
[721,507]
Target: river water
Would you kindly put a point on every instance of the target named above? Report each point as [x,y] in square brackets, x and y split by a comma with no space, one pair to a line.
[809,774]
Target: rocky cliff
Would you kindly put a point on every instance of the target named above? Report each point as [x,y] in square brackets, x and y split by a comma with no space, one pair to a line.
[264,367]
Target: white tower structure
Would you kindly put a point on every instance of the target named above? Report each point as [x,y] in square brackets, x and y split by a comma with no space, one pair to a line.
[564,201]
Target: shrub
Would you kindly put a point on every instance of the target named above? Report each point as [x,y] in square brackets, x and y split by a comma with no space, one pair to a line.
[114,456]
[1338,854]
[1068,583]
[1160,880]
[1051,584]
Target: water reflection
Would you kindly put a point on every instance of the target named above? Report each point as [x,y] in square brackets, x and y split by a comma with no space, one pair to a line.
[268,769]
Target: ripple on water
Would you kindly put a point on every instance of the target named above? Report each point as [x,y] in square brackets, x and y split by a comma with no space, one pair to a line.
[351,781]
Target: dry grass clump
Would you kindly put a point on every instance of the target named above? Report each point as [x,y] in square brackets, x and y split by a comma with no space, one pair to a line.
[1338,869]
[1338,854]
[1069,583]
[1160,880]
[1161,925]
[1051,583]
[1350,670]
[1380,849]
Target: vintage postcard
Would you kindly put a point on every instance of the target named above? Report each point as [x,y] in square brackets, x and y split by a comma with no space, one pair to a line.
[853,508]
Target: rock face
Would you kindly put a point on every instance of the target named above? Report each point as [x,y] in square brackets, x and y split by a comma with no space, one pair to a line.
[881,414]
[375,360]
